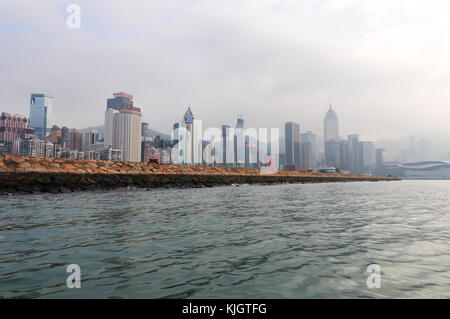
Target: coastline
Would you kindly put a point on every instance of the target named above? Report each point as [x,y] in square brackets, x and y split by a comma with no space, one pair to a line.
[28,175]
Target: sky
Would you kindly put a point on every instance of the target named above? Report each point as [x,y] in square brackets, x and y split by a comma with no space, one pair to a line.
[384,65]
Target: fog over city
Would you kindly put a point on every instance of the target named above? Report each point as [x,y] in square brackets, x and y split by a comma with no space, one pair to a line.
[383,65]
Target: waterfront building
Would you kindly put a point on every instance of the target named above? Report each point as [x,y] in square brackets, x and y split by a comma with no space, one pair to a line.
[333,153]
[308,150]
[123,127]
[145,130]
[331,125]
[91,138]
[292,140]
[188,133]
[75,140]
[354,154]
[228,152]
[368,155]
[41,108]
[55,136]
[240,147]
[13,127]
[109,154]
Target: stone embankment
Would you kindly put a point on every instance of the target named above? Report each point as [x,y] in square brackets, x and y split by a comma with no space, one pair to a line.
[35,175]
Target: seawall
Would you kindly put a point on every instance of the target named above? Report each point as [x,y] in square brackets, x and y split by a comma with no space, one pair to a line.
[35,175]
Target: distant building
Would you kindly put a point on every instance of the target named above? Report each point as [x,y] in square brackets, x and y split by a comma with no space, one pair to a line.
[123,127]
[41,108]
[145,129]
[368,156]
[75,140]
[55,136]
[14,127]
[355,164]
[308,150]
[333,153]
[331,125]
[188,133]
[292,140]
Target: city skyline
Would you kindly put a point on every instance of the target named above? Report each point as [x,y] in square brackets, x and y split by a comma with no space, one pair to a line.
[170,62]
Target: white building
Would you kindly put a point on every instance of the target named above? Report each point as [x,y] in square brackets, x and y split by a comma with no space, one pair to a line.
[123,129]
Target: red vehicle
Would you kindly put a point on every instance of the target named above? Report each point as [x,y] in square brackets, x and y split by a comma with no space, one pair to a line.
[154,160]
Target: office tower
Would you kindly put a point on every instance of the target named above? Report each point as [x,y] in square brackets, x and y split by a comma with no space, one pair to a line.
[120,101]
[354,154]
[41,107]
[188,133]
[239,143]
[145,129]
[14,127]
[65,136]
[123,127]
[344,155]
[333,154]
[130,135]
[308,150]
[225,141]
[292,140]
[331,125]
[75,140]
[368,155]
[91,138]
[379,154]
[55,136]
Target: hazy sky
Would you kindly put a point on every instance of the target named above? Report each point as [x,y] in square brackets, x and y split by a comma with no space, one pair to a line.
[385,64]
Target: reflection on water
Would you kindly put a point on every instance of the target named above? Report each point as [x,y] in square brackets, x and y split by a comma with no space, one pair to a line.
[287,241]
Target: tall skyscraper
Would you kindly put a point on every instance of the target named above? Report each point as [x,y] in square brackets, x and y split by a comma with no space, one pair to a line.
[292,140]
[354,154]
[188,133]
[123,127]
[331,125]
[308,150]
[41,107]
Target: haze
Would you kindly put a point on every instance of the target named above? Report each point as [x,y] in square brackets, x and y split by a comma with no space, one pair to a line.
[383,64]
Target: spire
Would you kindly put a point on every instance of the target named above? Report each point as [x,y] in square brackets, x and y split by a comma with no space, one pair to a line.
[188,116]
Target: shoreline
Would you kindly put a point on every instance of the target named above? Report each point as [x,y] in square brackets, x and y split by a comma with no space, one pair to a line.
[29,175]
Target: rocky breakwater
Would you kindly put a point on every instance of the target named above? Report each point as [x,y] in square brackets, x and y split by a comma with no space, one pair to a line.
[35,175]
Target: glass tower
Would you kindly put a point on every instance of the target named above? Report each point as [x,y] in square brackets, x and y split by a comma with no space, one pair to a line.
[41,107]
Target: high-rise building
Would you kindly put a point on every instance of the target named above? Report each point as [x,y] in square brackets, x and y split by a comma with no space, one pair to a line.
[292,140]
[41,107]
[123,127]
[368,155]
[228,153]
[14,127]
[129,129]
[145,129]
[239,143]
[55,136]
[75,140]
[120,101]
[331,125]
[188,133]
[333,153]
[354,154]
[308,150]
[91,138]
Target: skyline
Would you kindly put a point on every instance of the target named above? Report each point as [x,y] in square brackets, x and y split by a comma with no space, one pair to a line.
[278,64]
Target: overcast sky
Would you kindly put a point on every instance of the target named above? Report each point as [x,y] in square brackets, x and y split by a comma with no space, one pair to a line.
[385,65]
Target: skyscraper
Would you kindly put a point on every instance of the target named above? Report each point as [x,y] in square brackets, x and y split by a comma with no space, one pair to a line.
[308,150]
[354,154]
[188,133]
[331,125]
[41,107]
[123,127]
[292,139]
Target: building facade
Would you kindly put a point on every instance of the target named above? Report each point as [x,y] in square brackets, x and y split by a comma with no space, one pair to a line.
[41,108]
